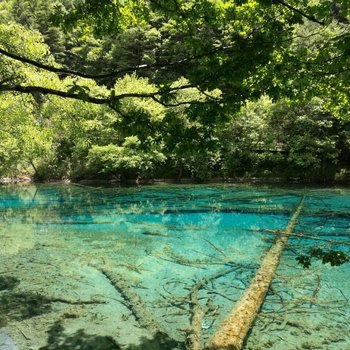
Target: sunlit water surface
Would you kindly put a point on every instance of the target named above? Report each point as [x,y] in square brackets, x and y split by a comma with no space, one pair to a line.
[112,268]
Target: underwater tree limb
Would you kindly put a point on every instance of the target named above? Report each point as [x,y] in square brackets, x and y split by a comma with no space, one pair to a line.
[302,235]
[193,338]
[194,334]
[215,247]
[132,301]
[234,329]
[75,302]
[316,291]
[26,337]
[183,262]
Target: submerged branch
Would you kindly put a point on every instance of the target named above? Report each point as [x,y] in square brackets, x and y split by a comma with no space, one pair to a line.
[75,302]
[301,235]
[132,301]
[316,291]
[215,247]
[193,338]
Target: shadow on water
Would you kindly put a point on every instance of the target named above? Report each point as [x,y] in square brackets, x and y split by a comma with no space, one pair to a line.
[8,282]
[21,306]
[58,340]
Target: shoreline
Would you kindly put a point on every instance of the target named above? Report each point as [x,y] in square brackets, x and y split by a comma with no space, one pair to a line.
[230,180]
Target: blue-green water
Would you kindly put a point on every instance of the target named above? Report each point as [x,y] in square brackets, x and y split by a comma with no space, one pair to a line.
[75,260]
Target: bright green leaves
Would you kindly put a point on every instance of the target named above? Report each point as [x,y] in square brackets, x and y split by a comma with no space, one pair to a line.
[103,16]
[20,40]
[137,116]
[283,139]
[129,158]
[196,64]
[244,48]
[25,138]
[80,90]
[25,43]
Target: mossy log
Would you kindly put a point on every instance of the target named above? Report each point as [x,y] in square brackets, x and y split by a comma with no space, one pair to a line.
[234,329]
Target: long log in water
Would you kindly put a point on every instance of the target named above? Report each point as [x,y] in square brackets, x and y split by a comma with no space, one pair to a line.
[234,329]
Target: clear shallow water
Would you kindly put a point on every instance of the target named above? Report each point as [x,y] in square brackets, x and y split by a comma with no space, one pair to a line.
[74,260]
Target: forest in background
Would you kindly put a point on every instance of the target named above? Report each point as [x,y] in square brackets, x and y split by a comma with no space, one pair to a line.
[170,89]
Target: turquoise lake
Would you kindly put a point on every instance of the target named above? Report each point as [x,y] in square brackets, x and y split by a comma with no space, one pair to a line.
[102,268]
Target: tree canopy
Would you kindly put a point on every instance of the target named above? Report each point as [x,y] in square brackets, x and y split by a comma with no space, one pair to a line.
[244,48]
[174,88]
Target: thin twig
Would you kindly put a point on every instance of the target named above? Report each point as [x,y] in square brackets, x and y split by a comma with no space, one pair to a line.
[215,247]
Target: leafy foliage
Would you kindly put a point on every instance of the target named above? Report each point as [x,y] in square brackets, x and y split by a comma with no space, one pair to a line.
[332,257]
[129,157]
[174,88]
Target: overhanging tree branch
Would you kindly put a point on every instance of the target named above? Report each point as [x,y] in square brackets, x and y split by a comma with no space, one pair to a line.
[301,13]
[97,100]
[118,72]
[173,104]
[57,70]
[159,65]
[48,91]
[43,65]
[111,74]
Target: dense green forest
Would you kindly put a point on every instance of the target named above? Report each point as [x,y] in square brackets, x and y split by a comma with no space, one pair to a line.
[179,88]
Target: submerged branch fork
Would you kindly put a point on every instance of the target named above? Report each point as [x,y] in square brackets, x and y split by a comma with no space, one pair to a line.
[76,302]
[198,312]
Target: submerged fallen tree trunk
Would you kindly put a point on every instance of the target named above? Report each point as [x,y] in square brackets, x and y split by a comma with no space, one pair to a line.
[234,329]
[194,333]
[133,302]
